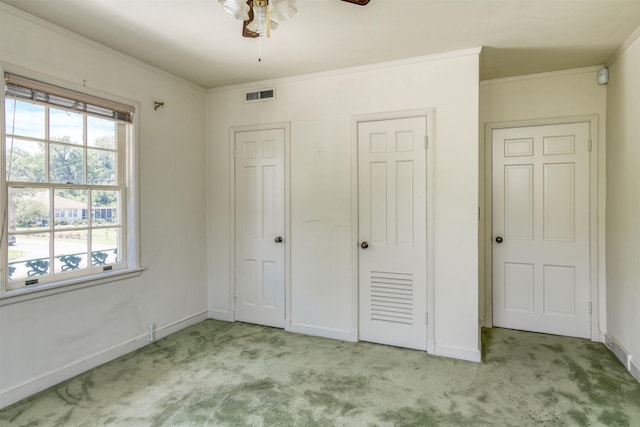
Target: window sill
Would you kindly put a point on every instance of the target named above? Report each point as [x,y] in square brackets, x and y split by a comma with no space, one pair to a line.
[41,291]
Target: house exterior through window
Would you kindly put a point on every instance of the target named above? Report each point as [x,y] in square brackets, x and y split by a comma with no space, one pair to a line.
[67,183]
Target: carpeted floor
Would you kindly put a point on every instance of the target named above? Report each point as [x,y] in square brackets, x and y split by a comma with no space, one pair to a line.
[234,374]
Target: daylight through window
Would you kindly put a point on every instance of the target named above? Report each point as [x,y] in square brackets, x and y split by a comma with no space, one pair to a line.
[66,183]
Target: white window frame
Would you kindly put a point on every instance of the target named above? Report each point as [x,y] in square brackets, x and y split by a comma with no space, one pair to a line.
[130,220]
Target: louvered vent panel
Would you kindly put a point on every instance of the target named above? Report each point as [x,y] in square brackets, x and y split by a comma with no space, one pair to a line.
[392,297]
[260,95]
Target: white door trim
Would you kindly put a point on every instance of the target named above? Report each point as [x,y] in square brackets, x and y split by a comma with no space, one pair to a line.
[597,286]
[428,113]
[286,126]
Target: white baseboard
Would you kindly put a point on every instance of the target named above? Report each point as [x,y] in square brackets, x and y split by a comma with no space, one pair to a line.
[469,354]
[223,315]
[336,334]
[618,349]
[181,324]
[635,370]
[26,389]
[623,355]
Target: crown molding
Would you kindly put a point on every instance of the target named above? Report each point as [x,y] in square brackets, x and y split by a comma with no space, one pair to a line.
[624,46]
[350,70]
[546,75]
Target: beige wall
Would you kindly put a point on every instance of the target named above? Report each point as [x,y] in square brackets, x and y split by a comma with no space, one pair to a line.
[320,109]
[542,98]
[46,340]
[623,203]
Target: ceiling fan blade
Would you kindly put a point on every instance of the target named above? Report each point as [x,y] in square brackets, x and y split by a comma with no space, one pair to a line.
[358,2]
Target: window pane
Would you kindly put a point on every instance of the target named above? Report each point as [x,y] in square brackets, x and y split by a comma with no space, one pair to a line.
[13,252]
[65,126]
[25,161]
[101,133]
[65,181]
[30,256]
[105,207]
[66,165]
[105,243]
[70,250]
[70,208]
[24,118]
[28,209]
[101,167]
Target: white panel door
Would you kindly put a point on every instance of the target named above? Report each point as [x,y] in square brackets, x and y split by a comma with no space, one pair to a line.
[541,229]
[392,232]
[259,227]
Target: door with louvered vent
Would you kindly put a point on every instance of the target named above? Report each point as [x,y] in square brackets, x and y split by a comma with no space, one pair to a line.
[392,232]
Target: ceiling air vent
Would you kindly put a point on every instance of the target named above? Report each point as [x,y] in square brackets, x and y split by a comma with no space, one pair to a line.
[260,95]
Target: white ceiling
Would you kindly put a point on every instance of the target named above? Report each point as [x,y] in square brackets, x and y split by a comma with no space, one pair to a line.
[198,41]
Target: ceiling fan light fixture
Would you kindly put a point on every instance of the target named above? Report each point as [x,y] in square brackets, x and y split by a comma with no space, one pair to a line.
[260,16]
[261,23]
[281,10]
[237,8]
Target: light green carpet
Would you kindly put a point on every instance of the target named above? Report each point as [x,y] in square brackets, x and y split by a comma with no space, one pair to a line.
[235,374]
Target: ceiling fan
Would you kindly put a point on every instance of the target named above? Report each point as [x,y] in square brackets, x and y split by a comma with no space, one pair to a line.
[261,16]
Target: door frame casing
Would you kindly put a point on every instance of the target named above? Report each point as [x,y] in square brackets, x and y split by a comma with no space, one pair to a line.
[596,285]
[428,114]
[286,127]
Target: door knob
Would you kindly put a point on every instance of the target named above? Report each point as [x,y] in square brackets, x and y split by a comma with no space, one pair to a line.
[364,245]
[278,239]
[498,239]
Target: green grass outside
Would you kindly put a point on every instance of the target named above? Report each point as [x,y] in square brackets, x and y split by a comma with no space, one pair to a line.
[13,254]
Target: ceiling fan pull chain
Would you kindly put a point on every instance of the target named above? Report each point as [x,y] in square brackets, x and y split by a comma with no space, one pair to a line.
[259,31]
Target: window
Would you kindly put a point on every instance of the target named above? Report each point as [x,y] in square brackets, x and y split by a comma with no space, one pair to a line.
[69,186]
